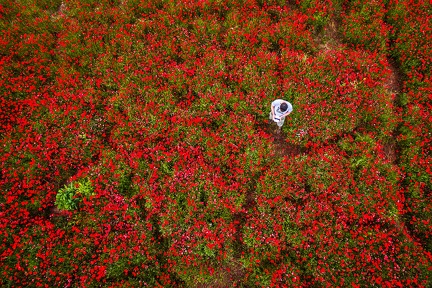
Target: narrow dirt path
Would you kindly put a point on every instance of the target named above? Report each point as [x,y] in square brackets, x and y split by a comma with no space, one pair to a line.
[394,83]
[393,86]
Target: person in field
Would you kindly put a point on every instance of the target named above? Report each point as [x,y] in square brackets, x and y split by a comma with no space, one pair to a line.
[279,110]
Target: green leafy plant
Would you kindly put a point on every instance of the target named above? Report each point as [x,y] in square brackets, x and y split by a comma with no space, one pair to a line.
[70,195]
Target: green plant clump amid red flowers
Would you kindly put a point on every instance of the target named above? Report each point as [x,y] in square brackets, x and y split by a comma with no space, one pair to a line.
[136,148]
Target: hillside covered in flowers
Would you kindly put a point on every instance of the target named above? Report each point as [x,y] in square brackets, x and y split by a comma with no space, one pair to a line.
[136,149]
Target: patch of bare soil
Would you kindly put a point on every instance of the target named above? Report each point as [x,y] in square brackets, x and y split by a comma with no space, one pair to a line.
[226,276]
[390,152]
[393,85]
[328,39]
[283,148]
[292,4]
[394,82]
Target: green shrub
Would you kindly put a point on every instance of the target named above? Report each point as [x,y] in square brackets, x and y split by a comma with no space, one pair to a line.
[70,195]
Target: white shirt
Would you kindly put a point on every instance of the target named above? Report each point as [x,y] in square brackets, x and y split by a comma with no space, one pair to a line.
[276,107]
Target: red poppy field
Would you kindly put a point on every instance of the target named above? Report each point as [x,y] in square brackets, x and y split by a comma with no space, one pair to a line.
[136,149]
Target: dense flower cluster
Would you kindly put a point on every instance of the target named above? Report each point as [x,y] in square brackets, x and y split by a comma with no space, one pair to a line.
[136,149]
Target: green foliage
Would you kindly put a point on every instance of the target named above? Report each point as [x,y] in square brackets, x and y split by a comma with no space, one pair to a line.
[71,195]
[65,198]
[319,21]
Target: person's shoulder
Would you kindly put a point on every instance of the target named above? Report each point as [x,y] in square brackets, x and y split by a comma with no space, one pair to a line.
[290,107]
[278,101]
